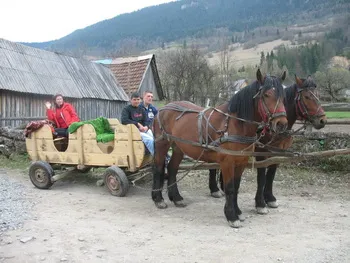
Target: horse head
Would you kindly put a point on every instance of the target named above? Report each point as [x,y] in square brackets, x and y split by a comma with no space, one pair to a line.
[270,97]
[308,106]
[262,101]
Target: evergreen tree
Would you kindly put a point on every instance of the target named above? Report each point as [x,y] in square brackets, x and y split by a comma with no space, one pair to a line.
[262,57]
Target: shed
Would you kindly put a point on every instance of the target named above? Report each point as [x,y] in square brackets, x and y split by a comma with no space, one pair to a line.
[136,74]
[31,76]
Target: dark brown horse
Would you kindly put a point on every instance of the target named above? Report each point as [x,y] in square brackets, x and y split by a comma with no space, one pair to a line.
[231,126]
[302,103]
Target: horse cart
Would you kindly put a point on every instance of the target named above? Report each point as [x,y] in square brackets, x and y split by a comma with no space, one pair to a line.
[123,157]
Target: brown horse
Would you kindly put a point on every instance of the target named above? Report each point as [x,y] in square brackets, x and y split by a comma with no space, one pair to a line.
[232,126]
[302,103]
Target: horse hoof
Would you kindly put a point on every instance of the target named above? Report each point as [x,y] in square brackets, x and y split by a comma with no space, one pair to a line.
[216,194]
[241,217]
[180,203]
[235,224]
[161,205]
[262,210]
[272,204]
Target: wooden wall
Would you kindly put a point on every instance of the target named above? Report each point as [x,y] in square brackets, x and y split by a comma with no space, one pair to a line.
[17,108]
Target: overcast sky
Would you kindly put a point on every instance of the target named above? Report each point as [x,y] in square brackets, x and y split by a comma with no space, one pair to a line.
[44,20]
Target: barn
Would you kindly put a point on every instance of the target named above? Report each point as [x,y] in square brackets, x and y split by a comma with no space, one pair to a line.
[136,74]
[30,76]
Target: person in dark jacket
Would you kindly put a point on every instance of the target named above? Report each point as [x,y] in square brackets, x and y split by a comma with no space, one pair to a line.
[135,114]
[62,115]
[146,103]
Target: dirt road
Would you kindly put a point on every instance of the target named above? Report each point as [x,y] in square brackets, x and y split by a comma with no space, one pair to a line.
[76,221]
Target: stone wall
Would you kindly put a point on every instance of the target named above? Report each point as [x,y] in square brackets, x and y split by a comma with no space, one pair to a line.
[12,141]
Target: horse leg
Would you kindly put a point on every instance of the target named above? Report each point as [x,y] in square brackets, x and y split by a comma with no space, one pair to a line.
[213,186]
[173,167]
[229,187]
[268,195]
[158,174]
[238,171]
[260,204]
[221,181]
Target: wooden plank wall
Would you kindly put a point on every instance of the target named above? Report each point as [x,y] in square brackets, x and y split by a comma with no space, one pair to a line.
[17,109]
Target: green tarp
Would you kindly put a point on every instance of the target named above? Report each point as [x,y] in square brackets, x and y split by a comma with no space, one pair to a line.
[104,133]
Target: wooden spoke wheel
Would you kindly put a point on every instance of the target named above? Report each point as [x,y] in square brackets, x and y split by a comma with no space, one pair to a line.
[40,174]
[116,181]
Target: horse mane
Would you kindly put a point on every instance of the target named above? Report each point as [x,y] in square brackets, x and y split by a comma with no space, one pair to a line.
[290,91]
[308,83]
[243,104]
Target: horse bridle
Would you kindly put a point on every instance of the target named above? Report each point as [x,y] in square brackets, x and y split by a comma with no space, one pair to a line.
[301,110]
[265,113]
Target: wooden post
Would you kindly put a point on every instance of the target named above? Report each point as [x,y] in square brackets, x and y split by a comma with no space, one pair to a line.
[80,145]
[131,155]
[270,161]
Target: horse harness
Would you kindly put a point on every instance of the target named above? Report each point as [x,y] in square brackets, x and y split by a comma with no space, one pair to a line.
[207,141]
[301,109]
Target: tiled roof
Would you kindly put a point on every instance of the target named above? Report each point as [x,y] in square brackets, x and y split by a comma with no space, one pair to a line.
[130,74]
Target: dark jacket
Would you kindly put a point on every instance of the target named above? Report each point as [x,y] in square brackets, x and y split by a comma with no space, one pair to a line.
[151,112]
[134,115]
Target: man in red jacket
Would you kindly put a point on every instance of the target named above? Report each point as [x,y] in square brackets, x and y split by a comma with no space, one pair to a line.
[62,115]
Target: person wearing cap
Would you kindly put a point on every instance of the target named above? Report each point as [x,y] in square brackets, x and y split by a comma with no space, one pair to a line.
[62,115]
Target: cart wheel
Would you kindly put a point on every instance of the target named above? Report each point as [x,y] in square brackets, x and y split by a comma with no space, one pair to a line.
[40,174]
[116,181]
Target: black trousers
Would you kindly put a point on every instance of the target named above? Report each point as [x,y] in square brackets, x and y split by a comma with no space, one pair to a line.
[61,132]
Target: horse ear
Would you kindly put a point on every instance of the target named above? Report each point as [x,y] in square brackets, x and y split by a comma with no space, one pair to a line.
[284,76]
[298,81]
[259,76]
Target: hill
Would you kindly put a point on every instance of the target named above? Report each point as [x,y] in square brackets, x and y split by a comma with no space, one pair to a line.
[155,26]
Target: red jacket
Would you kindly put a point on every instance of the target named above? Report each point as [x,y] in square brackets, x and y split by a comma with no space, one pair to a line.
[63,116]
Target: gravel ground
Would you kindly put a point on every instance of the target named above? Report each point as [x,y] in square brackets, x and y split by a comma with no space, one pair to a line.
[14,204]
[76,221]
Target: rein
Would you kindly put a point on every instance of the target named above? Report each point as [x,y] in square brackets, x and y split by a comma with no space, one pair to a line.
[204,142]
[302,114]
[201,115]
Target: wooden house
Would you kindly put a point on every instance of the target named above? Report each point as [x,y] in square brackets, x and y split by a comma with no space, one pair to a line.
[30,76]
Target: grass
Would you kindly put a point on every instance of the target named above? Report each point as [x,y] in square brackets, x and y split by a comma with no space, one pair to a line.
[338,114]
[15,161]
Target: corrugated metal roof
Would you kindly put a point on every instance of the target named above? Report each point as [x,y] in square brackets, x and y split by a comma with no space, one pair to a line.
[30,70]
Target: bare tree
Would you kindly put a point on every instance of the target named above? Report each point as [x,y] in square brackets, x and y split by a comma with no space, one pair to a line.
[186,75]
[225,72]
[333,82]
